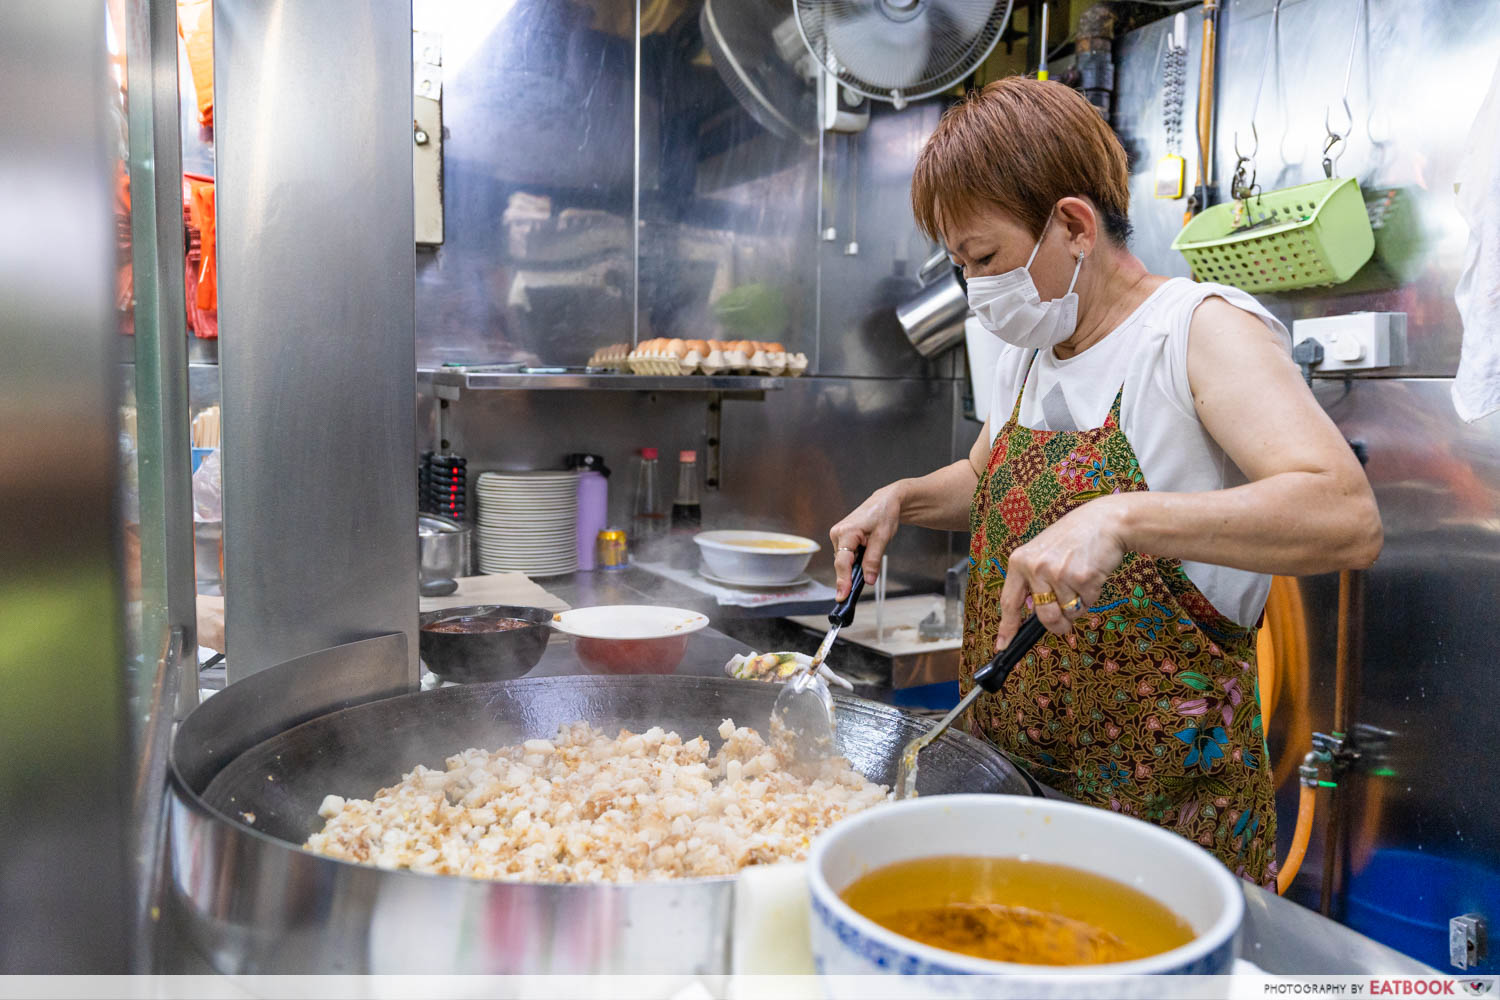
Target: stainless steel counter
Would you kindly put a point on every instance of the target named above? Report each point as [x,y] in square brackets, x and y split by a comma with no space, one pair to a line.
[1279,936]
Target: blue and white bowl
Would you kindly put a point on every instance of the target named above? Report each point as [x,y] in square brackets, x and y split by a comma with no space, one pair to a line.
[1174,871]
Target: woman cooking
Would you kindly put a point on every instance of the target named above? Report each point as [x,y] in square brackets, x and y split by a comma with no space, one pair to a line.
[1151,458]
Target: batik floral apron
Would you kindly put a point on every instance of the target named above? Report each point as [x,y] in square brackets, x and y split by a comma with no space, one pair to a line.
[1150,706]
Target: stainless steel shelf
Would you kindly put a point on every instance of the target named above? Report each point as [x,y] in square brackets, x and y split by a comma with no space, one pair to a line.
[448,382]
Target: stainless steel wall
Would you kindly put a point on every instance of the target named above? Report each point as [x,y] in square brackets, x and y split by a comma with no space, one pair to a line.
[547,182]
[1419,75]
[796,461]
[315,230]
[538,261]
[64,740]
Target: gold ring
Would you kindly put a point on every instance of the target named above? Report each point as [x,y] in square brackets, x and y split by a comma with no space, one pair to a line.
[843,548]
[1045,597]
[1076,604]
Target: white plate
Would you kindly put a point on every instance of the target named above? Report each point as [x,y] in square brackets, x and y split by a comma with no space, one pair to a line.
[528,506]
[531,552]
[531,491]
[531,571]
[550,490]
[520,531]
[752,585]
[551,558]
[529,476]
[629,621]
[536,555]
[561,521]
[529,496]
[525,508]
[569,535]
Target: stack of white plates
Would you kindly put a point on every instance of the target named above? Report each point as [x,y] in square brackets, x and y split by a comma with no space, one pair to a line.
[527,522]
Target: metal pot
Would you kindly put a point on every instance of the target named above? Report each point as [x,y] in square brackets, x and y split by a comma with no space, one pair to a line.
[467,657]
[443,554]
[933,319]
[250,766]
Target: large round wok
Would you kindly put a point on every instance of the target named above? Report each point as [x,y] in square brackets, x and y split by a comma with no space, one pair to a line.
[254,901]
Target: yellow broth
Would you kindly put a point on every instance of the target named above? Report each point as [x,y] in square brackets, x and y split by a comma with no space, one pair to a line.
[773,544]
[1010,910]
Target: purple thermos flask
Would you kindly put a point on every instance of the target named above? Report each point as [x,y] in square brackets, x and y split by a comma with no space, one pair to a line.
[593,504]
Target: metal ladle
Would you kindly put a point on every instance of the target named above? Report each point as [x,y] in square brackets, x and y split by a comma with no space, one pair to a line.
[990,677]
[804,706]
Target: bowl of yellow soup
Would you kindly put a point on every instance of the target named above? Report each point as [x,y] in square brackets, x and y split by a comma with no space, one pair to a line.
[754,558]
[995,885]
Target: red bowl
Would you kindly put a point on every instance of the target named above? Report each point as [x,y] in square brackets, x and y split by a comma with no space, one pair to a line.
[630,656]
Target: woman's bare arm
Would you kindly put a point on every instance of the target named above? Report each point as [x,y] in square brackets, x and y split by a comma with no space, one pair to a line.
[1308,507]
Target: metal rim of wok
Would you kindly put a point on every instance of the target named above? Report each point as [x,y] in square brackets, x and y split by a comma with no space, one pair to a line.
[299,755]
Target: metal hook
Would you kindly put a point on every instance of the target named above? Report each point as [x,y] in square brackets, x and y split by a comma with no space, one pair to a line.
[1254,138]
[1328,118]
[1335,140]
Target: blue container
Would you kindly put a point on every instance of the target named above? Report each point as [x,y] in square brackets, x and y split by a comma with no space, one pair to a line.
[941,696]
[199,454]
[1405,899]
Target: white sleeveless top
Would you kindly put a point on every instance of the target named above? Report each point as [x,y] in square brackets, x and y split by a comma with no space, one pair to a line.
[1176,453]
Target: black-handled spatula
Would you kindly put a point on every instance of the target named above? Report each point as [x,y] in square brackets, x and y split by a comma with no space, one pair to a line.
[989,677]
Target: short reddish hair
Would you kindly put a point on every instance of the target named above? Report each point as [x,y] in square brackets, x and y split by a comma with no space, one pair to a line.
[1021,145]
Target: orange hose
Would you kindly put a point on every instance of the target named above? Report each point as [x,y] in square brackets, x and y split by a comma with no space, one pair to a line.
[1306,802]
[1284,670]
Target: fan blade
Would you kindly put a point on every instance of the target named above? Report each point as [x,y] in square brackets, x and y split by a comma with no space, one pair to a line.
[879,50]
[967,17]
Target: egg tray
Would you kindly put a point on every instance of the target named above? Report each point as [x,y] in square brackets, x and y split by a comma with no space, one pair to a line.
[670,356]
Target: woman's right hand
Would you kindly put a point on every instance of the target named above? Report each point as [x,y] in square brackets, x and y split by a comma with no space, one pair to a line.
[871,524]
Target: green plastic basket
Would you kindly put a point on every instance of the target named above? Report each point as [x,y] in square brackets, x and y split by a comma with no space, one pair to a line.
[1322,237]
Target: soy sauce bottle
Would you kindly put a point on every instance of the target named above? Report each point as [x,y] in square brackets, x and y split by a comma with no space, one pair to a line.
[687,512]
[687,507]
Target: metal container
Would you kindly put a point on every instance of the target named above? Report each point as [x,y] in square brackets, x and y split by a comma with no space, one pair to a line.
[933,319]
[444,550]
[610,549]
[466,657]
[251,765]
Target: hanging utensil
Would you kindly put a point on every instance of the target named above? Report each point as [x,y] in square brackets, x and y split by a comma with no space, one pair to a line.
[1335,142]
[1171,169]
[1243,185]
[803,714]
[990,677]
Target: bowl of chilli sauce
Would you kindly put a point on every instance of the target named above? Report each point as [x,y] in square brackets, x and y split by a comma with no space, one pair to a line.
[1001,886]
[484,642]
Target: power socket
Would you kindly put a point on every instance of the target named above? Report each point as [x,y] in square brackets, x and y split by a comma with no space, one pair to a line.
[1356,341]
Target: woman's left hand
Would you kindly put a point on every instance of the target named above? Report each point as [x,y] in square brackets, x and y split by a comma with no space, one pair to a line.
[1070,559]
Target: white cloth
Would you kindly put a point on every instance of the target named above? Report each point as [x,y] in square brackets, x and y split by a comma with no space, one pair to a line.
[1476,390]
[1147,353]
[984,351]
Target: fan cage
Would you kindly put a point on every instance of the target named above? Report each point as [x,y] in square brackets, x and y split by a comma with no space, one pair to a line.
[950,61]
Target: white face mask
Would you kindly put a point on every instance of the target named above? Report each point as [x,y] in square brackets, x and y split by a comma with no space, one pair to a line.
[1009,306]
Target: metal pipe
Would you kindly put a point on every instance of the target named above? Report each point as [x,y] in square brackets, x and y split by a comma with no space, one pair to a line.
[1095,57]
[169,594]
[168,585]
[1206,93]
[1346,678]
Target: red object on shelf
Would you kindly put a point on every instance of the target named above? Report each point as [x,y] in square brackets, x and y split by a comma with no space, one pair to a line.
[202,278]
